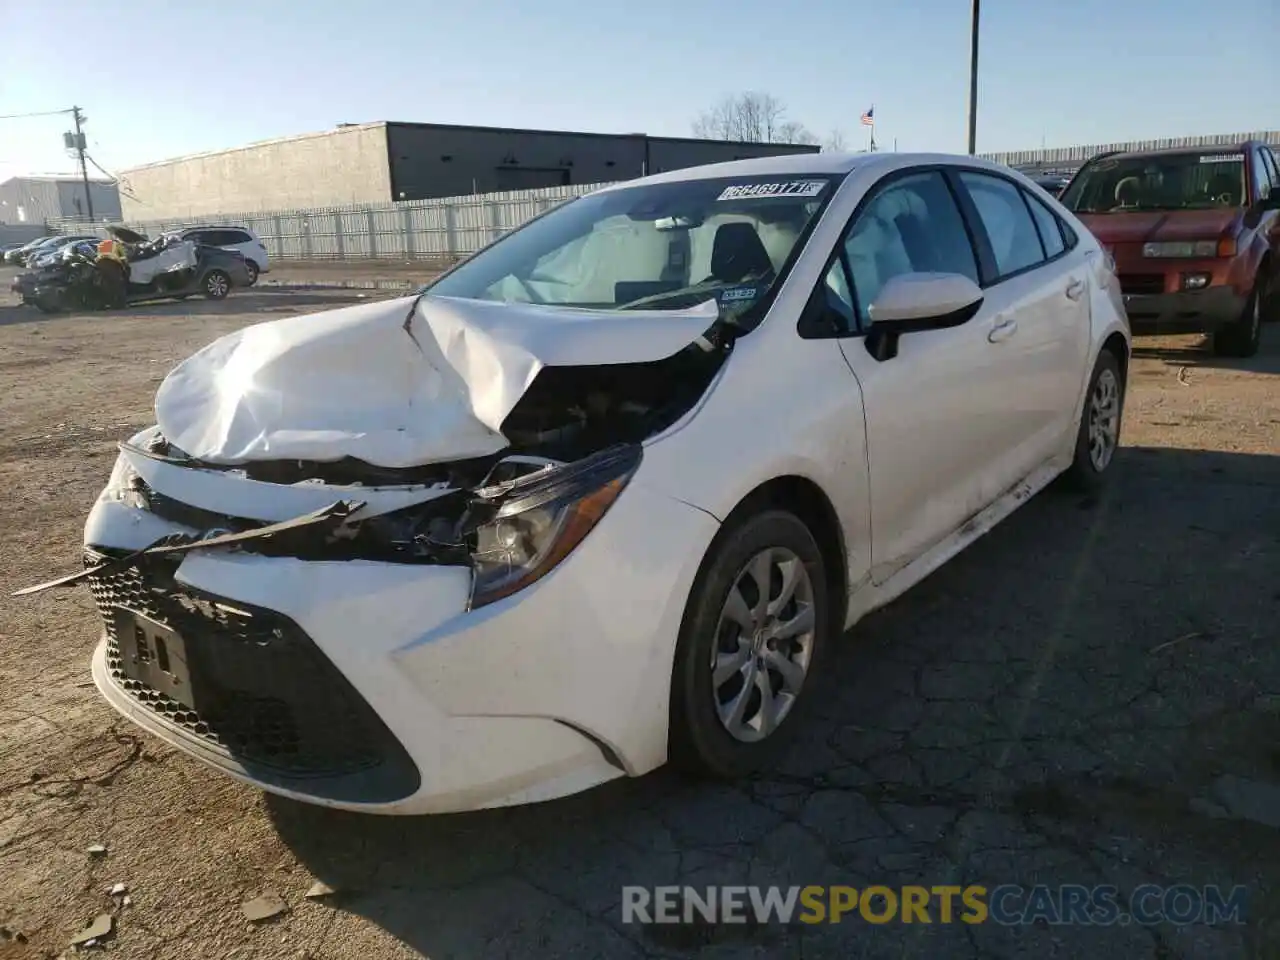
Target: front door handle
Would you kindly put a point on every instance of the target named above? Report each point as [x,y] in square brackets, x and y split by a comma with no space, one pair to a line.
[1075,289]
[1003,330]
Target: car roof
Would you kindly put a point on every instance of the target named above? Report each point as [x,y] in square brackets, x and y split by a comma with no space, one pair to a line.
[811,165]
[1209,150]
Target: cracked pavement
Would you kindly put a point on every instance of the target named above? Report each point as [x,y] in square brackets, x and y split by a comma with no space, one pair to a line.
[1088,695]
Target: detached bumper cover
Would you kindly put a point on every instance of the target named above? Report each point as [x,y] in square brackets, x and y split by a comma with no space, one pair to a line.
[257,697]
[370,686]
[1190,311]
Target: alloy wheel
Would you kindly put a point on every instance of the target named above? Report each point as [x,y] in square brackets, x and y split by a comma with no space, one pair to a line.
[216,285]
[1104,419]
[764,644]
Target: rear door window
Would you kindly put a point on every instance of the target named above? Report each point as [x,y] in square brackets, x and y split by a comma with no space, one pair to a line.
[1015,242]
[1048,224]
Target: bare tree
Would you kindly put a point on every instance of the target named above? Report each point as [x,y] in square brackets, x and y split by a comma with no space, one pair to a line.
[752,117]
[792,132]
[835,142]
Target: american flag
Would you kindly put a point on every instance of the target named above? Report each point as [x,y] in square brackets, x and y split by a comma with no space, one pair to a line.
[868,120]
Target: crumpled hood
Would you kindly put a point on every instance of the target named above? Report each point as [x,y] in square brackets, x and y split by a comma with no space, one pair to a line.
[392,387]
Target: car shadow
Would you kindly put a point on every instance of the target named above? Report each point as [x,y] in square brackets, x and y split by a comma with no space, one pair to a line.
[965,694]
[1199,353]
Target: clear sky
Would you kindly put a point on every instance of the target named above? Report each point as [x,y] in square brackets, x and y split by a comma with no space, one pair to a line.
[161,78]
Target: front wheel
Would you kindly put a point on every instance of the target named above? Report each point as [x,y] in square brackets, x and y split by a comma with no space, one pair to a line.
[216,285]
[1242,338]
[753,634]
[1099,434]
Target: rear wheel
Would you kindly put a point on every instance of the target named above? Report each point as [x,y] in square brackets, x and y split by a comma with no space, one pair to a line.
[754,633]
[1242,338]
[216,285]
[1099,434]
[252,269]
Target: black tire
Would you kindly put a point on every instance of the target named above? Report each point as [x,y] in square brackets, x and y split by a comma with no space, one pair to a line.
[215,285]
[699,742]
[1088,474]
[1242,338]
[253,271]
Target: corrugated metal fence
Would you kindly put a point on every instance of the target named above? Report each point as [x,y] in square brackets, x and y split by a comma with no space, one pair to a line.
[454,226]
[410,230]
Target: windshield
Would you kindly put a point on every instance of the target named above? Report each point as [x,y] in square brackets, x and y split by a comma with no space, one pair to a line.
[1178,181]
[658,247]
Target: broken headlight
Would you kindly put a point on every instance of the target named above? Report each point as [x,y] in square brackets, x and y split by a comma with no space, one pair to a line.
[525,526]
[125,485]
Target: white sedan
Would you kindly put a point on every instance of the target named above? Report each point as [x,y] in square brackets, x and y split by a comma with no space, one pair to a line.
[607,493]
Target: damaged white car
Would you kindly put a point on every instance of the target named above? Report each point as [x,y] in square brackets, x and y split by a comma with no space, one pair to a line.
[605,494]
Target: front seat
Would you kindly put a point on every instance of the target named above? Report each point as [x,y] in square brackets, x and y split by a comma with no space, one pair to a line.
[738,253]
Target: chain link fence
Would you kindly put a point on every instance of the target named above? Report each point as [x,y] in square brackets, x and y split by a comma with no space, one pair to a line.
[433,230]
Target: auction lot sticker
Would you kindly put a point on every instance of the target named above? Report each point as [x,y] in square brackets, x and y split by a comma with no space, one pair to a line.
[792,188]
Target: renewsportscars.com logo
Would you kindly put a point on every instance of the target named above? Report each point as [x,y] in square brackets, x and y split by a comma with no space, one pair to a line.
[1008,905]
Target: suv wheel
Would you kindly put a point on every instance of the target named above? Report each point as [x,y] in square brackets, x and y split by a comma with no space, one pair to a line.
[1241,338]
[750,647]
[252,269]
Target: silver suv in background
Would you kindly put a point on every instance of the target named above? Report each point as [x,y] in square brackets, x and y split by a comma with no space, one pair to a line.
[240,239]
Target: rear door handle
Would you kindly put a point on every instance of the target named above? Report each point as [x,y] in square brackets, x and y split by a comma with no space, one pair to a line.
[1075,289]
[1003,330]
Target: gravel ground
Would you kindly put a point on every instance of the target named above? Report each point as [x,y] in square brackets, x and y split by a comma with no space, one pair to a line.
[1090,694]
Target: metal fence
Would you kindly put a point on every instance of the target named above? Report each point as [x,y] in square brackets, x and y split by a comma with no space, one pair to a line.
[410,230]
[444,229]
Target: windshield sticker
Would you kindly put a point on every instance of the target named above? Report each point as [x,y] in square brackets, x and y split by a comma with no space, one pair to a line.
[794,188]
[737,294]
[1224,158]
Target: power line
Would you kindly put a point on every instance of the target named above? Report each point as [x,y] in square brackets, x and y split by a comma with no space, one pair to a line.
[24,116]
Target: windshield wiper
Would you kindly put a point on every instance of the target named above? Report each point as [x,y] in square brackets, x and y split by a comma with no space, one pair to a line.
[694,290]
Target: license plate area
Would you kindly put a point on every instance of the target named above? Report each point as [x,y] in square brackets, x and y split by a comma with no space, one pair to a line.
[154,654]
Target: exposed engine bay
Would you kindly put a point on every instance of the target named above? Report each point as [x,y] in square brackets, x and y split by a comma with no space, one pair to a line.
[575,430]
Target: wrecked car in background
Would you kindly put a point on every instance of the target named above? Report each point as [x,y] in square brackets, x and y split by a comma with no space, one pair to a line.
[131,268]
[605,494]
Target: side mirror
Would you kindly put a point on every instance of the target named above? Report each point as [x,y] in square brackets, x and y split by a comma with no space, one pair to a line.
[911,302]
[924,301]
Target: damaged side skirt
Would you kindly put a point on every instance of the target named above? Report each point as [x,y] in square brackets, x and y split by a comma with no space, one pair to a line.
[334,514]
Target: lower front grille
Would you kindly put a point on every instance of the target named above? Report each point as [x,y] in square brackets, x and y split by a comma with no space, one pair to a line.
[256,688]
[1142,283]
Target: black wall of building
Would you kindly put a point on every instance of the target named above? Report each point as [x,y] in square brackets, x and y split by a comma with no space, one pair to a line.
[442,161]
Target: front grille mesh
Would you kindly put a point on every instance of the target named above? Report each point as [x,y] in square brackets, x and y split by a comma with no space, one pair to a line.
[262,693]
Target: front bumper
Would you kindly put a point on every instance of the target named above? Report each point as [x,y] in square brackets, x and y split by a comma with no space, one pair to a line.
[379,691]
[1186,311]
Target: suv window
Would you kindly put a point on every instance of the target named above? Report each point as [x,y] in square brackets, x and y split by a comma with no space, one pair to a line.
[1015,243]
[1261,176]
[1273,168]
[913,225]
[1048,224]
[235,236]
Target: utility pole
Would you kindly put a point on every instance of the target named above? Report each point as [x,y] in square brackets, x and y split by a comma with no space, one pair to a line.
[973,82]
[84,171]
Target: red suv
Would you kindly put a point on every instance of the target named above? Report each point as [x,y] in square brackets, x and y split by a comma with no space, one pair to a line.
[1195,235]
